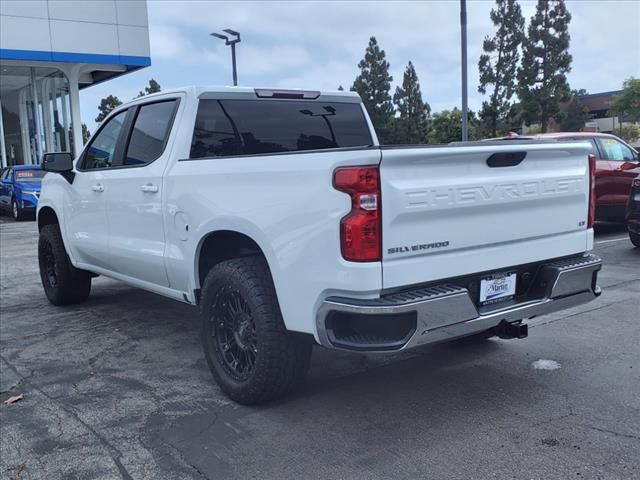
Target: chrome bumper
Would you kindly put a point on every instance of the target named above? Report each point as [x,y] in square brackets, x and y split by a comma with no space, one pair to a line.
[445,312]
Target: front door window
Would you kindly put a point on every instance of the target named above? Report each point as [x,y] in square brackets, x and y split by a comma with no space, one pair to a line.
[101,150]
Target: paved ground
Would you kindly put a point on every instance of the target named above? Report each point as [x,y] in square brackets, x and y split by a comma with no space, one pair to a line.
[118,387]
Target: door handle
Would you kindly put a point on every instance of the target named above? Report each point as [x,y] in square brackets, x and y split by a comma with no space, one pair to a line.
[149,188]
[98,188]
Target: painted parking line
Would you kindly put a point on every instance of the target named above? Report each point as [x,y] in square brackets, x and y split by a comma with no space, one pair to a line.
[612,240]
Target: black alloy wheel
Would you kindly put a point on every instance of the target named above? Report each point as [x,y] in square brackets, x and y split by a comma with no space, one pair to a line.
[233,332]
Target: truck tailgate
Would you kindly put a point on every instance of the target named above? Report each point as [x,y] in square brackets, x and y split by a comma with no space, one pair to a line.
[446,212]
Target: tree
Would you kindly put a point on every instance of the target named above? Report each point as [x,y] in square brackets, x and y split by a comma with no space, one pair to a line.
[86,134]
[628,132]
[340,88]
[447,126]
[498,64]
[106,105]
[575,114]
[545,63]
[627,104]
[153,87]
[373,85]
[412,124]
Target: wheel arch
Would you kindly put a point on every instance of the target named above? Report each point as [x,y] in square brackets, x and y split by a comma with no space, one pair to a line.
[220,245]
[47,216]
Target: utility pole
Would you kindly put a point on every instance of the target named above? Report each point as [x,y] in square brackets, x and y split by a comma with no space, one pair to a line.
[463,38]
[231,42]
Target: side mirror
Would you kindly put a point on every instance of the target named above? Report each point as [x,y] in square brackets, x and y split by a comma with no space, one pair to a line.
[58,162]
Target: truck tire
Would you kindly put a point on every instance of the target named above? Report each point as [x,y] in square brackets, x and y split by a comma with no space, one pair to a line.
[635,239]
[63,283]
[249,351]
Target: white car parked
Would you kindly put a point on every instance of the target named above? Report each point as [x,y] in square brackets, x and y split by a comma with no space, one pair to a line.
[280,216]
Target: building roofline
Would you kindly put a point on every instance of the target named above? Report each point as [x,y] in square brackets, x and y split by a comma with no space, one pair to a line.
[129,62]
[601,94]
[74,57]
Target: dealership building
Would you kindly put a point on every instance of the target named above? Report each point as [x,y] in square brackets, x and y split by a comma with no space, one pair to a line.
[49,51]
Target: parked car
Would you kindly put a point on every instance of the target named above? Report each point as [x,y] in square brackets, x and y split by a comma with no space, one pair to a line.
[20,190]
[280,216]
[617,164]
[633,213]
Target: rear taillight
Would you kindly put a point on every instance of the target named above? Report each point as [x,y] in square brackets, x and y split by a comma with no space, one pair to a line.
[360,230]
[591,220]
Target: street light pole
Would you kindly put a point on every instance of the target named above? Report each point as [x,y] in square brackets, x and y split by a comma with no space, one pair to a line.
[231,42]
[463,38]
[233,64]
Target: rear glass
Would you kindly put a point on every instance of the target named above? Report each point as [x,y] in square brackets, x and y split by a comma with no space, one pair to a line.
[29,175]
[249,127]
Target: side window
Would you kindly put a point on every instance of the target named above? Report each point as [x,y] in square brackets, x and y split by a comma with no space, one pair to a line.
[150,132]
[616,151]
[103,146]
[215,134]
[594,148]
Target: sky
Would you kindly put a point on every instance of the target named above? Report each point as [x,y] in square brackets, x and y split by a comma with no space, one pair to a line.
[317,45]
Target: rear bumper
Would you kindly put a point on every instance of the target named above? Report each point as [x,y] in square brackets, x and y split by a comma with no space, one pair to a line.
[438,313]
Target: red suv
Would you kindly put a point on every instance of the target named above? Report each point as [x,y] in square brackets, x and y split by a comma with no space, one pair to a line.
[617,164]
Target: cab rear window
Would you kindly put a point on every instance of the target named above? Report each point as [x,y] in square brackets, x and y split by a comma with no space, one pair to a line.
[250,127]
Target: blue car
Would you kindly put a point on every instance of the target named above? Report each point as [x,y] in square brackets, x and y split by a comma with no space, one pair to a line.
[20,190]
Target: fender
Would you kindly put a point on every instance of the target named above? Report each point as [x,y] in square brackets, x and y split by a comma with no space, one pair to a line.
[52,195]
[239,225]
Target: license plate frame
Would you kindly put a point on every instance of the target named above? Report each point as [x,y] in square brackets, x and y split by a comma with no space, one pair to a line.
[497,287]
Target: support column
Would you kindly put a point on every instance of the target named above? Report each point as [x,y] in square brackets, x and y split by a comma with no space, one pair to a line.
[37,116]
[65,120]
[47,124]
[73,75]
[24,126]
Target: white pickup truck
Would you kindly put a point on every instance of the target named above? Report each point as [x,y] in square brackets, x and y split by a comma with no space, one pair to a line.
[280,216]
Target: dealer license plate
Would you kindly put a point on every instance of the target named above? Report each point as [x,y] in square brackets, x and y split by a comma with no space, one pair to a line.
[497,288]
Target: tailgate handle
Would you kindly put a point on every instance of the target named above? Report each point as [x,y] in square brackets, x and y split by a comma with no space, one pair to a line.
[506,159]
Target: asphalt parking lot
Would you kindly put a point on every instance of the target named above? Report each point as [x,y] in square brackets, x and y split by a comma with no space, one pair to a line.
[119,388]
